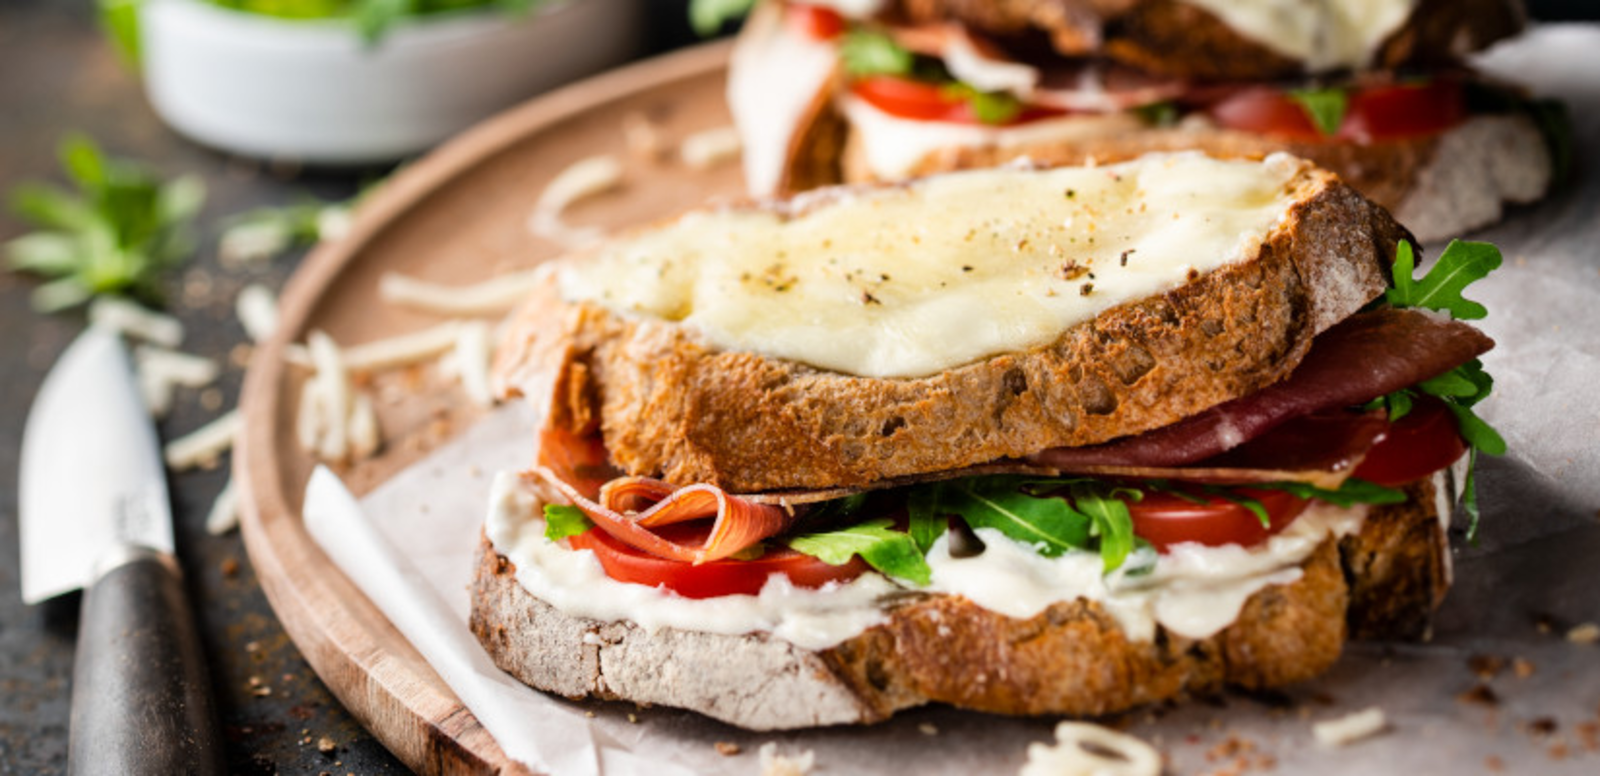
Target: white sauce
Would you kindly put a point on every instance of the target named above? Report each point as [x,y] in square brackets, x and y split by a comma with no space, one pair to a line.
[892,147]
[1324,34]
[1194,590]
[854,9]
[910,281]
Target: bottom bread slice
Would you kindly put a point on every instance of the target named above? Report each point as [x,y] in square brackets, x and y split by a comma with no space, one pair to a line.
[1073,658]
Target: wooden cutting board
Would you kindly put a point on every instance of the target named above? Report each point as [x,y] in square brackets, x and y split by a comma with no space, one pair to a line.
[457,216]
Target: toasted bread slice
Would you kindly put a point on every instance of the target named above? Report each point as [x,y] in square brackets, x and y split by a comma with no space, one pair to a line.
[1183,39]
[1073,658]
[670,404]
[1439,187]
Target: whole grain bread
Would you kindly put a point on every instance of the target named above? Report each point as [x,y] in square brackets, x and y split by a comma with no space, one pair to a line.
[669,405]
[1073,658]
[1171,37]
[1438,186]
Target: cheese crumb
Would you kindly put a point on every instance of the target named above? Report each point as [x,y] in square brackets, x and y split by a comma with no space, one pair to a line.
[774,764]
[707,149]
[1350,728]
[1084,749]
[1587,633]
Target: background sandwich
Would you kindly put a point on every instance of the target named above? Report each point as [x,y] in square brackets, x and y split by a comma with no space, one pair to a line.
[1376,92]
[1027,441]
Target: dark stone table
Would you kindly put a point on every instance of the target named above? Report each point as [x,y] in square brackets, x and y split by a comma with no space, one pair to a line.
[58,74]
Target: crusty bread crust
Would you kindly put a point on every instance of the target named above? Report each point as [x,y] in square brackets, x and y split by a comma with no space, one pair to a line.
[1073,658]
[1171,37]
[669,405]
[1439,186]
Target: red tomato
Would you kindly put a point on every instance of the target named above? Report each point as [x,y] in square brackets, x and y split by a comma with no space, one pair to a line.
[1374,113]
[815,22]
[716,578]
[1421,443]
[908,98]
[1164,519]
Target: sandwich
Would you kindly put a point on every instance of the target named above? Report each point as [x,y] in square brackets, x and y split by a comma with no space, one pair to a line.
[1023,440]
[1374,91]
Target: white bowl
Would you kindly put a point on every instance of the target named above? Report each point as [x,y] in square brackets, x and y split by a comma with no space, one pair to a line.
[313,91]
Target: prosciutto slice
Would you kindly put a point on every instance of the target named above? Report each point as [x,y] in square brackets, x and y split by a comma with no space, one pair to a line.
[1365,356]
[628,508]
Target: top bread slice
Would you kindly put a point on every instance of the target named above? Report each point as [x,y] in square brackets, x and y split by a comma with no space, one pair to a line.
[1174,38]
[670,405]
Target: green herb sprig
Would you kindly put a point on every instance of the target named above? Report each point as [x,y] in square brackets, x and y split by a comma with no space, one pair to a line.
[1325,106]
[708,17]
[1460,265]
[115,235]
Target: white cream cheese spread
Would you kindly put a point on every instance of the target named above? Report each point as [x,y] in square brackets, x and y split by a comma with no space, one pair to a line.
[1324,34]
[1193,590]
[912,280]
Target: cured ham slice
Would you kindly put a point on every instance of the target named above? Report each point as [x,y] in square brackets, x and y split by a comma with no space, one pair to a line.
[1367,355]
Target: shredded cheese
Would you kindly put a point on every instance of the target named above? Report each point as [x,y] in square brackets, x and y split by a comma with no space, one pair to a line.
[1083,749]
[1350,728]
[333,382]
[642,137]
[400,350]
[204,445]
[130,319]
[224,514]
[492,297]
[774,764]
[581,180]
[257,308]
[472,355]
[707,149]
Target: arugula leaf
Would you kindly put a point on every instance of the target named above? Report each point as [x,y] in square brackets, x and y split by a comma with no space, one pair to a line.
[1469,495]
[865,52]
[1325,107]
[1111,521]
[1254,506]
[927,510]
[1049,524]
[1461,264]
[561,521]
[114,235]
[708,16]
[1158,114]
[987,107]
[1397,404]
[1351,492]
[891,552]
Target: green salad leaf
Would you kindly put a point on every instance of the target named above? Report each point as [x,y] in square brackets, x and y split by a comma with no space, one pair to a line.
[562,520]
[987,107]
[1326,107]
[1349,493]
[1048,524]
[868,52]
[707,17]
[1461,264]
[889,551]
[115,235]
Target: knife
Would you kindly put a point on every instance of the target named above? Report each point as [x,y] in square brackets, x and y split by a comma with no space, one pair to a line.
[95,515]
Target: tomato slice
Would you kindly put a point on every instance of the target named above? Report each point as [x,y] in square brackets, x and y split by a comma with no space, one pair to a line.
[1374,113]
[815,22]
[908,98]
[1421,443]
[715,578]
[1165,519]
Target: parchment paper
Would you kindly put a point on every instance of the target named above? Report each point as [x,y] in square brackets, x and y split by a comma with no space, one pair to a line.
[1534,574]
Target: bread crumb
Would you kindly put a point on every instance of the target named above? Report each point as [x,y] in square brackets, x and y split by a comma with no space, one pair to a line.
[634,718]
[1481,695]
[1084,749]
[928,729]
[1587,633]
[1350,728]
[726,748]
[1486,666]
[1522,667]
[774,764]
[1494,763]
[326,745]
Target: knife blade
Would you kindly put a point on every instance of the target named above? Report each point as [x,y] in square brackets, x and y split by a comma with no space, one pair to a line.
[94,514]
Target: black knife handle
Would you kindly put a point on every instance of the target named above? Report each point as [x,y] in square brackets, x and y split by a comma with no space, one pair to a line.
[141,703]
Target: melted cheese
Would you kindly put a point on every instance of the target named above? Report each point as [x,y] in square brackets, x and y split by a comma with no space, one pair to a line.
[1324,34]
[1194,591]
[910,281]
